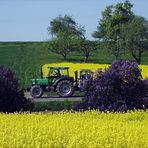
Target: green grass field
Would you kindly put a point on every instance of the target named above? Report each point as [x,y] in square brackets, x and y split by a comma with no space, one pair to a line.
[26,58]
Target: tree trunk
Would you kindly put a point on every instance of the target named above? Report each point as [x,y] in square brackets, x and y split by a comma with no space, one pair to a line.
[139,56]
[86,58]
[116,54]
[64,56]
[138,59]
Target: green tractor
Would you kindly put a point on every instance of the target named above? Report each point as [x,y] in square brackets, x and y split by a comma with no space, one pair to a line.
[58,80]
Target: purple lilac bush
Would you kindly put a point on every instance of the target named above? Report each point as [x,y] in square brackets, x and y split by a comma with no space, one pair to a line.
[11,96]
[146,86]
[119,88]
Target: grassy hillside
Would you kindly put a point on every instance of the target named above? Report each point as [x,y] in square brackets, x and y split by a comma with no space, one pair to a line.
[26,58]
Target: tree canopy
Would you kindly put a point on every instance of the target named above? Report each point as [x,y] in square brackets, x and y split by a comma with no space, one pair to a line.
[135,37]
[65,24]
[109,29]
[65,35]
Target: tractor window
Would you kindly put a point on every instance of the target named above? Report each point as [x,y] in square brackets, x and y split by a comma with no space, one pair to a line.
[54,73]
[64,72]
[58,73]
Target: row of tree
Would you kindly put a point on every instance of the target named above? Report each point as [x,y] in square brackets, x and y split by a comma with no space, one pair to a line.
[67,37]
[120,29]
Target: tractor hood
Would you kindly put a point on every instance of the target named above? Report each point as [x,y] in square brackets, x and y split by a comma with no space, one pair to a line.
[40,81]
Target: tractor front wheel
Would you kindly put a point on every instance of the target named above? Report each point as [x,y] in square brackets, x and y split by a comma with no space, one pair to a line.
[36,91]
[65,88]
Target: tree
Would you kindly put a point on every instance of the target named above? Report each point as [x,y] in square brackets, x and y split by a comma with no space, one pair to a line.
[135,37]
[87,47]
[65,24]
[109,29]
[65,35]
[62,45]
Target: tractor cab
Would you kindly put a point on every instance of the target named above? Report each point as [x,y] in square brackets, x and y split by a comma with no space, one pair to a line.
[57,72]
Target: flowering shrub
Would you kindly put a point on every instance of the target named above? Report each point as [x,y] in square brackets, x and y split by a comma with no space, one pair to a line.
[11,97]
[146,86]
[119,88]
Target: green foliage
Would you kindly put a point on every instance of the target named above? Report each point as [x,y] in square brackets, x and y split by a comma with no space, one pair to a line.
[135,37]
[65,35]
[109,28]
[65,24]
[63,45]
[86,47]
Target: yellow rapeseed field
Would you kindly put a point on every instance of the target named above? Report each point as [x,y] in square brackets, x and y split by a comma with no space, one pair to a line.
[77,66]
[89,129]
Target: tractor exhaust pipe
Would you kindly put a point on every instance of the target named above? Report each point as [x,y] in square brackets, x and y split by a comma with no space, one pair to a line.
[41,73]
[76,79]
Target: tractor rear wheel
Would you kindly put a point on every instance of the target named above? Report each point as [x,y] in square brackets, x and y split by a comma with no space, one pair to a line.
[36,91]
[65,88]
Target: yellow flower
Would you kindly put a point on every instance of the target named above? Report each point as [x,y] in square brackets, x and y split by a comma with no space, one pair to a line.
[90,129]
[78,66]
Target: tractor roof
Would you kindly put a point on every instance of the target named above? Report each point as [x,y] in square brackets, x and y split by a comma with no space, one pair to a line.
[85,70]
[58,67]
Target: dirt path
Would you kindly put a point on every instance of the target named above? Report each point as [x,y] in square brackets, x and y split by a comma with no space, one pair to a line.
[55,98]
